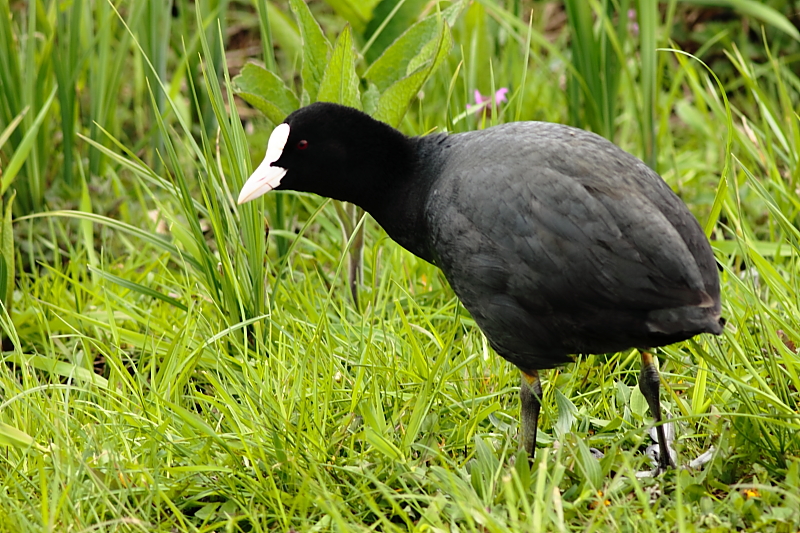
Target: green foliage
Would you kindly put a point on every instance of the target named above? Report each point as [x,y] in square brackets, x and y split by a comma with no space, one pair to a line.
[601,43]
[167,368]
[67,69]
[393,65]
[329,74]
[340,82]
[7,258]
[26,90]
[266,92]
[593,87]
[357,12]
[397,96]
[316,50]
[760,11]
[25,146]
[390,19]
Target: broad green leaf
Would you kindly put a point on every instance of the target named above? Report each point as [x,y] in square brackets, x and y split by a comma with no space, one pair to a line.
[382,32]
[567,413]
[59,368]
[266,92]
[638,403]
[316,48]
[410,50]
[486,461]
[428,51]
[158,241]
[451,14]
[395,100]
[139,288]
[340,82]
[589,466]
[698,392]
[11,436]
[393,64]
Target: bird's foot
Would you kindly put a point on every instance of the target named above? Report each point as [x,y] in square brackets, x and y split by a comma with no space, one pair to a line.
[654,451]
[660,466]
[702,459]
[597,454]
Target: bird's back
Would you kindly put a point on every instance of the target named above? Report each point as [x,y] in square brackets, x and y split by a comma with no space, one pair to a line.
[558,242]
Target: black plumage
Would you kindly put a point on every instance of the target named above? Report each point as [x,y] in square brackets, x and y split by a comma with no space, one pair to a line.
[555,240]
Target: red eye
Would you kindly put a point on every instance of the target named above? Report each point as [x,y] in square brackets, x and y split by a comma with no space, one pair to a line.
[302,145]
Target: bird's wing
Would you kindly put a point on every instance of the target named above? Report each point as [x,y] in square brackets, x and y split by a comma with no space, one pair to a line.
[573,228]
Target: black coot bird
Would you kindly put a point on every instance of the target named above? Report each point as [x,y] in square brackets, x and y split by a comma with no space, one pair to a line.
[555,240]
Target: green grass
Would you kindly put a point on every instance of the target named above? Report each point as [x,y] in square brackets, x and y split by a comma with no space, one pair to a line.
[167,366]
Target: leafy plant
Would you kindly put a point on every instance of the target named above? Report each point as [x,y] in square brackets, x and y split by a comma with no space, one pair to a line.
[329,74]
[165,369]
[602,40]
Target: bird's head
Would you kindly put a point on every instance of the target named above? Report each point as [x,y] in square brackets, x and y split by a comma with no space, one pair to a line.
[326,149]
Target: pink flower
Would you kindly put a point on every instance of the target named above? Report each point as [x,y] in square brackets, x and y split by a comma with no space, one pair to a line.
[633,26]
[486,101]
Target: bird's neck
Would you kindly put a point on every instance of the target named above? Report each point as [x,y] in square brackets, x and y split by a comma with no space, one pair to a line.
[398,194]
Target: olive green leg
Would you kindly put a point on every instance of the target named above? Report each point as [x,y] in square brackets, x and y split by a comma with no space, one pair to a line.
[530,394]
[649,384]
